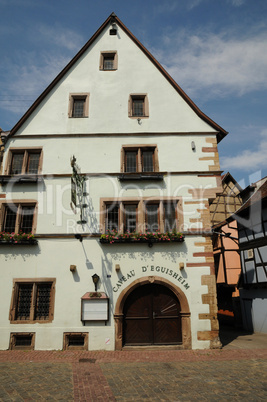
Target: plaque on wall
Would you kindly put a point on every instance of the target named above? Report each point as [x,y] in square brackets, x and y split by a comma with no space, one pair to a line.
[95,306]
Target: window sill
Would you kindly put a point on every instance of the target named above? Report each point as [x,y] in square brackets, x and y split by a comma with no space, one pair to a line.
[138,117]
[140,176]
[78,117]
[21,179]
[31,321]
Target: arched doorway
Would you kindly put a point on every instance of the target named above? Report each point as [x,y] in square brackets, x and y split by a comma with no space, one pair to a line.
[186,342]
[151,316]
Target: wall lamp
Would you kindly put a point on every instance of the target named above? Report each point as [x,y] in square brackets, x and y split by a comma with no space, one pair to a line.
[78,237]
[193,146]
[95,278]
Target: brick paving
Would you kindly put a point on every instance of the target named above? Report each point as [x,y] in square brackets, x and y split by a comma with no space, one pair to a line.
[137,375]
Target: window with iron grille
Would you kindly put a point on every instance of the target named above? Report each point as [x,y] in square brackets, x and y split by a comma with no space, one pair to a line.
[32,301]
[79,105]
[138,106]
[18,218]
[75,340]
[108,61]
[140,159]
[26,161]
[22,341]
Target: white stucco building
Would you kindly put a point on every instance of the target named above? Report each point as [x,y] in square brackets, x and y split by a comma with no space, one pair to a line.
[148,164]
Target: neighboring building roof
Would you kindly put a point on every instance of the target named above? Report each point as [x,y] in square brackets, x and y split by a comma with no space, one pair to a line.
[114,19]
[228,177]
[259,194]
[227,202]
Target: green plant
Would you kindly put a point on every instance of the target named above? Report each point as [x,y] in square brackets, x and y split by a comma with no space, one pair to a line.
[16,237]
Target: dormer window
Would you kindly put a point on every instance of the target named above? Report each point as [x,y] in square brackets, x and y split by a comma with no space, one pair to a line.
[108,61]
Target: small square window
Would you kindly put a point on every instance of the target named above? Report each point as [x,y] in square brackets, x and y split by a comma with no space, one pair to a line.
[22,341]
[79,105]
[108,61]
[138,106]
[75,341]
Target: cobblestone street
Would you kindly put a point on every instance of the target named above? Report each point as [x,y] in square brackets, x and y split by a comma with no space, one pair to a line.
[139,375]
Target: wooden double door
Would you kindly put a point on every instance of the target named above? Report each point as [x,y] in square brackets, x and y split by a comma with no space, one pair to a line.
[152,317]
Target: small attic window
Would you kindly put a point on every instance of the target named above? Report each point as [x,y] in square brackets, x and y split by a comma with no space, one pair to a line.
[138,106]
[108,61]
[79,105]
[113,30]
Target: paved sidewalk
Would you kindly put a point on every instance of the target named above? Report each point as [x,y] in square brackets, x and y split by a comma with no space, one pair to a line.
[233,373]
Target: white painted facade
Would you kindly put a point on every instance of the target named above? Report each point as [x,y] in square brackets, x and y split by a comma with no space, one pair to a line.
[96,142]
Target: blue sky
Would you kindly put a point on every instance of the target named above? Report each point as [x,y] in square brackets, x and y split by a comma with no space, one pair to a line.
[216,50]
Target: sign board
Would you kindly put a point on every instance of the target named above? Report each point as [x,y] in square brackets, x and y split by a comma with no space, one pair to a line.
[95,310]
[73,192]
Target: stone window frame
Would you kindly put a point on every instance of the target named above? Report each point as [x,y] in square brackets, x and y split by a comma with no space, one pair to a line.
[27,151]
[66,336]
[14,335]
[18,204]
[108,53]
[14,300]
[141,215]
[143,96]
[79,95]
[139,148]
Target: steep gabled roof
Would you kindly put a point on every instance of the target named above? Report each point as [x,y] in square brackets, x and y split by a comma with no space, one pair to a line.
[114,19]
[259,194]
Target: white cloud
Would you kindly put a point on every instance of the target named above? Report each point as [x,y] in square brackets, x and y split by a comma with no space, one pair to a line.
[60,36]
[218,63]
[193,3]
[237,3]
[28,78]
[248,159]
[26,74]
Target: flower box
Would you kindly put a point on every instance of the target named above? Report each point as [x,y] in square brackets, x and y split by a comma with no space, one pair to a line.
[32,242]
[17,239]
[149,238]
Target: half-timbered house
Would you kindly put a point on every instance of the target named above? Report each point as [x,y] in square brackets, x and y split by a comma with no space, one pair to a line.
[252,232]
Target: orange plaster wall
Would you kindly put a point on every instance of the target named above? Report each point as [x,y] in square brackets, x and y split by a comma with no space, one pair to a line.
[220,275]
[231,256]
